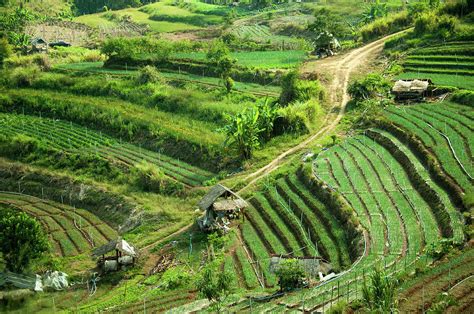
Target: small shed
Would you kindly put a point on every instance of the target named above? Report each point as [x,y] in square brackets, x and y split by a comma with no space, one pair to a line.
[125,255]
[38,44]
[220,205]
[312,265]
[415,90]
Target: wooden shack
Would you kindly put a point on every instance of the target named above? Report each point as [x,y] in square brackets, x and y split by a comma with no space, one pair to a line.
[411,90]
[220,205]
[124,255]
[39,45]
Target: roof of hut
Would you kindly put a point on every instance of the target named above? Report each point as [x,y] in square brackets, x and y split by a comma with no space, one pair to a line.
[118,244]
[402,86]
[227,205]
[214,193]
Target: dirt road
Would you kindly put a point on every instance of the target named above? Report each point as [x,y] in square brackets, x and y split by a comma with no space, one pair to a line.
[341,69]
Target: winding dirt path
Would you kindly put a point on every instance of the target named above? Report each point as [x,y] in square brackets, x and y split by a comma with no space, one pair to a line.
[341,69]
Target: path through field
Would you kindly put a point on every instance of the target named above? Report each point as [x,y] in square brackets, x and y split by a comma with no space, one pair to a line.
[341,69]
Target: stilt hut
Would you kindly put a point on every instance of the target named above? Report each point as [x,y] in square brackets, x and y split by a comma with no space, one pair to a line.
[124,256]
[220,205]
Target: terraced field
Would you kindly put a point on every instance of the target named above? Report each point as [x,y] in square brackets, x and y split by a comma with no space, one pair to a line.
[446,129]
[398,218]
[449,64]
[454,276]
[290,219]
[72,231]
[259,59]
[68,136]
[260,33]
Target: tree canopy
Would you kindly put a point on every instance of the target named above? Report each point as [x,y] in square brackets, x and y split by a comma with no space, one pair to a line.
[21,239]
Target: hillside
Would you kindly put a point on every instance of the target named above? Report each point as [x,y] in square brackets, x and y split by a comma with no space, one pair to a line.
[202,156]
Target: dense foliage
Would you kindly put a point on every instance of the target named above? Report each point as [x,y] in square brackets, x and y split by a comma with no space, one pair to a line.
[21,240]
[93,6]
[290,274]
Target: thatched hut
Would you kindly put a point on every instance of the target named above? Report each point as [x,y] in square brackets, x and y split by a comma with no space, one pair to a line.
[220,205]
[39,45]
[415,90]
[125,255]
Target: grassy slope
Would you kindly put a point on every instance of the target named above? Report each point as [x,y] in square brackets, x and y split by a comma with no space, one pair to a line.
[163,9]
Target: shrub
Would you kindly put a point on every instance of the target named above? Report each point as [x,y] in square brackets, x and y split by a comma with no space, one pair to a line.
[297,118]
[148,74]
[152,179]
[5,50]
[21,240]
[385,26]
[175,277]
[373,85]
[464,97]
[25,76]
[433,24]
[295,89]
[290,275]
[380,294]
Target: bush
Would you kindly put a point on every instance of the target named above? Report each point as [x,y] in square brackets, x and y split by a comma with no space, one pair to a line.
[148,74]
[385,26]
[297,118]
[25,76]
[5,50]
[434,25]
[175,277]
[373,85]
[295,89]
[152,179]
[464,97]
[21,240]
[290,275]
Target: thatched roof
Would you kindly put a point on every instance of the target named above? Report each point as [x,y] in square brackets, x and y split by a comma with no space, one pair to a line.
[217,191]
[227,205]
[38,41]
[119,244]
[408,86]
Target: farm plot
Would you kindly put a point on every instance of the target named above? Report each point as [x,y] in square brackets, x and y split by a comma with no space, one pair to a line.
[68,136]
[290,219]
[451,64]
[453,276]
[444,130]
[398,221]
[97,67]
[259,59]
[72,231]
[262,34]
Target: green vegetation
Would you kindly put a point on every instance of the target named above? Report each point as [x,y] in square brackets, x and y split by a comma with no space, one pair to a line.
[22,240]
[126,136]
[258,59]
[442,129]
[290,275]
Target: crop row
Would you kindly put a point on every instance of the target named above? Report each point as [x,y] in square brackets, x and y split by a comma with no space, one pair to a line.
[460,49]
[424,68]
[63,135]
[450,141]
[421,292]
[397,219]
[73,231]
[455,215]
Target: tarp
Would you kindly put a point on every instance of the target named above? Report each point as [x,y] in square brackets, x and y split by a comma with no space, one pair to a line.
[56,280]
[21,281]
